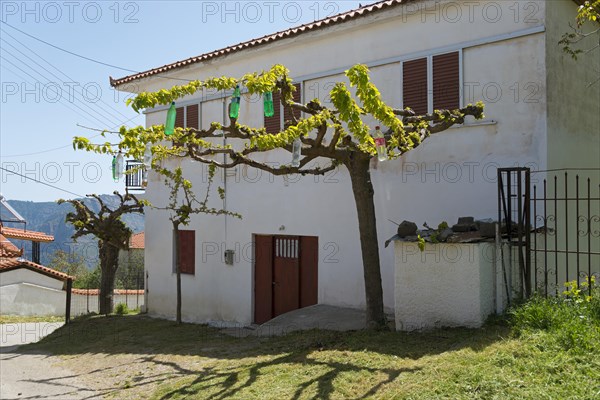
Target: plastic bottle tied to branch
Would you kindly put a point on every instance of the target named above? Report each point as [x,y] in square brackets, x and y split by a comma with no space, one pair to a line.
[148,156]
[114,169]
[120,165]
[380,144]
[296,149]
[268,103]
[171,116]
[234,107]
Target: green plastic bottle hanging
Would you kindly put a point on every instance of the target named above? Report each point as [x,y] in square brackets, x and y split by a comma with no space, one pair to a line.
[170,124]
[234,107]
[114,169]
[268,103]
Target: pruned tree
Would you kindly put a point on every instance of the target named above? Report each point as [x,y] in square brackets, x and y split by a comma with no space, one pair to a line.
[112,233]
[183,203]
[329,137]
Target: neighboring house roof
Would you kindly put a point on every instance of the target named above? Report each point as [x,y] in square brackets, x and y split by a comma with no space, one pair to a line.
[320,24]
[9,264]
[8,249]
[16,233]
[96,292]
[137,241]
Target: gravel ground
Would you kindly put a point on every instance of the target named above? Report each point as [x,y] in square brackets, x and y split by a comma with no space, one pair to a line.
[26,375]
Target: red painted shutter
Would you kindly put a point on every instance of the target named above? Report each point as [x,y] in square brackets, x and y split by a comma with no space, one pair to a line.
[187,252]
[179,118]
[192,117]
[446,82]
[414,77]
[297,98]
[273,124]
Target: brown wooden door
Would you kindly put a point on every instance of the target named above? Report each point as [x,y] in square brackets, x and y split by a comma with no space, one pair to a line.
[285,274]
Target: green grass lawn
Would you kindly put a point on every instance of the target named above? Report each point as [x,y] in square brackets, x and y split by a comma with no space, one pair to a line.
[138,357]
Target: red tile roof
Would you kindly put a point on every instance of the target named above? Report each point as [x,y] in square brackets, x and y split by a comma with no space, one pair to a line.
[16,233]
[8,249]
[320,24]
[96,292]
[137,241]
[8,264]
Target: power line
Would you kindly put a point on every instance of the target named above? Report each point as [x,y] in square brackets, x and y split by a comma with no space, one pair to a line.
[3,65]
[37,80]
[67,51]
[64,104]
[51,65]
[107,116]
[37,181]
[87,58]
[109,112]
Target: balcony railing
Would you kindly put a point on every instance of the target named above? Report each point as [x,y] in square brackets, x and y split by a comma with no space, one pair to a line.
[134,174]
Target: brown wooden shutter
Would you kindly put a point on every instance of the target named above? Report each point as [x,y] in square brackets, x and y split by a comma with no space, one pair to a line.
[414,77]
[179,118]
[297,98]
[273,124]
[187,252]
[192,120]
[446,82]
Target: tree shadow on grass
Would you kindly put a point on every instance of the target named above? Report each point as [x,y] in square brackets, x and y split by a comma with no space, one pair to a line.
[238,366]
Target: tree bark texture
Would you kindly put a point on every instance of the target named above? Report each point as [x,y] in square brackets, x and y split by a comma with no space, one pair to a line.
[109,262]
[362,188]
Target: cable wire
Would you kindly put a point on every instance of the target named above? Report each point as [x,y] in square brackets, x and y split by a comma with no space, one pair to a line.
[51,65]
[43,183]
[87,58]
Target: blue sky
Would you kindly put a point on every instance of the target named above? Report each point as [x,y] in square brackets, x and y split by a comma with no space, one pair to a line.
[46,93]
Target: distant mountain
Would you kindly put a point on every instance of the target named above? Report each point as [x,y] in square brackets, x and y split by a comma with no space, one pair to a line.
[49,217]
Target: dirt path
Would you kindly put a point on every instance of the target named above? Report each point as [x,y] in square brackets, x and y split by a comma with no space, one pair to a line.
[35,375]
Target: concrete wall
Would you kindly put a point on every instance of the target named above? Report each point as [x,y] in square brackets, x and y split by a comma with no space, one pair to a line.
[21,275]
[30,299]
[447,285]
[452,174]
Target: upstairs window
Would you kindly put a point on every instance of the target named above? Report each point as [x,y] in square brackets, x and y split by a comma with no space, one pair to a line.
[432,83]
[188,117]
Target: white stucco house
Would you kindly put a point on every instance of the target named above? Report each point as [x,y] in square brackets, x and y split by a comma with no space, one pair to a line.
[27,288]
[423,54]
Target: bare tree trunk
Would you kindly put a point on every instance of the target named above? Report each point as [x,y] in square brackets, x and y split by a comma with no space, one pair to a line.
[177,270]
[109,262]
[362,189]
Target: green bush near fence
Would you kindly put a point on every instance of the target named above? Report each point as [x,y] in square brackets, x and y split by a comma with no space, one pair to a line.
[569,321]
[121,309]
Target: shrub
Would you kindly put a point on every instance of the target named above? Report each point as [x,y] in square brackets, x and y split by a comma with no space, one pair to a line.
[121,309]
[570,321]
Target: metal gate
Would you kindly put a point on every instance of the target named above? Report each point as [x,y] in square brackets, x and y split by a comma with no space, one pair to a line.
[550,230]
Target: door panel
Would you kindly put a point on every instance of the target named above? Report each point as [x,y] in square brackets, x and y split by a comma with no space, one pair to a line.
[309,274]
[286,275]
[263,278]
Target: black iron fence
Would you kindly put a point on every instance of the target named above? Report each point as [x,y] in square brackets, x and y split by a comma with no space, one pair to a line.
[129,290]
[551,227]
